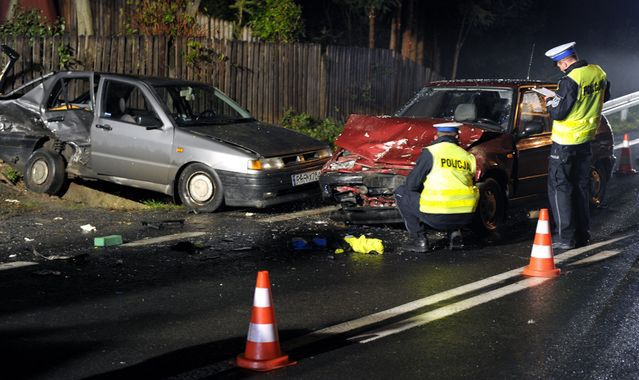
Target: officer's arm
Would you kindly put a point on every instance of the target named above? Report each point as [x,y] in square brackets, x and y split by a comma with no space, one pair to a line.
[416,178]
[560,106]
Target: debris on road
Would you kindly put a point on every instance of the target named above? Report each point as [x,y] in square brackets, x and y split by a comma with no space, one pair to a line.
[52,257]
[47,272]
[164,223]
[363,244]
[106,241]
[87,228]
[12,201]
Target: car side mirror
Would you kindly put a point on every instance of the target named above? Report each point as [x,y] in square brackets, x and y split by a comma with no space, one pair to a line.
[148,121]
[531,127]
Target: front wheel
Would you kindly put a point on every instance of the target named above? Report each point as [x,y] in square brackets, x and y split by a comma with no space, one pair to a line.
[489,215]
[200,188]
[44,172]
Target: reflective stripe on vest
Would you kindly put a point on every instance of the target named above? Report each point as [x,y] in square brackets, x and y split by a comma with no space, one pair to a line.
[581,124]
[448,188]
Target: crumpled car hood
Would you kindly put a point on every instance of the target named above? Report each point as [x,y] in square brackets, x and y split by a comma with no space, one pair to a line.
[395,140]
[263,139]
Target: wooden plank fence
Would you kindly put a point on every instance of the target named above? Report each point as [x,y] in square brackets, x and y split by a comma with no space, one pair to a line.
[266,78]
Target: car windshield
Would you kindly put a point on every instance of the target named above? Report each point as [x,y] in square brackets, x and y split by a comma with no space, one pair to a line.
[490,107]
[192,105]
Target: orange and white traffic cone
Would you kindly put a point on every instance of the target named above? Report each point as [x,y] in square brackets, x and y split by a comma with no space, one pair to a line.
[262,351]
[625,162]
[542,263]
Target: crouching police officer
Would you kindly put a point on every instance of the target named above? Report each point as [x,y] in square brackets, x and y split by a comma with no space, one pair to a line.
[575,110]
[439,191]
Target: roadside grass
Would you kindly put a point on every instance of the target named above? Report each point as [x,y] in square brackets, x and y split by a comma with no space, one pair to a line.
[159,205]
[630,124]
[11,174]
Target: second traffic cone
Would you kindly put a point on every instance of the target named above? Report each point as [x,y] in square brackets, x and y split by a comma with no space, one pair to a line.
[262,351]
[625,162]
[542,263]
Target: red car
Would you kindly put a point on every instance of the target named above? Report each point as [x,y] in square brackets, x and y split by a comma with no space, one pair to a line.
[505,125]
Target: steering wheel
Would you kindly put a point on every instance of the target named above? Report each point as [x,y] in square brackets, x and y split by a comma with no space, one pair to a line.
[486,121]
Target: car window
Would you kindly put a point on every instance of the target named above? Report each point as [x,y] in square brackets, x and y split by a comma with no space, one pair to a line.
[125,102]
[199,104]
[489,106]
[70,94]
[533,110]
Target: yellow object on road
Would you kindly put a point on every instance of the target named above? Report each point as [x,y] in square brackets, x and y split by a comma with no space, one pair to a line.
[363,244]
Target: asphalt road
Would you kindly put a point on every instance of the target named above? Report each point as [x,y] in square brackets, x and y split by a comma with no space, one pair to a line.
[181,308]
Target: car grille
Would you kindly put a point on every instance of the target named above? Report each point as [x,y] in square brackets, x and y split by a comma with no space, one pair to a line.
[301,158]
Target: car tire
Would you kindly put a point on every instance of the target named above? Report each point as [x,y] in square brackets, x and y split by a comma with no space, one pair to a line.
[44,172]
[489,215]
[598,181]
[200,188]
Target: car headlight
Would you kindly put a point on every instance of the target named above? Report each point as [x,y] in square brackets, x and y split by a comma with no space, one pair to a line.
[266,164]
[324,153]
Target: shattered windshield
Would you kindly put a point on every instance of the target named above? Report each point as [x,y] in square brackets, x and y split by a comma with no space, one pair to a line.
[486,106]
[200,104]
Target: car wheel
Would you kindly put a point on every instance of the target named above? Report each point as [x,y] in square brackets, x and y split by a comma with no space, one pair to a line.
[44,172]
[598,182]
[489,214]
[200,188]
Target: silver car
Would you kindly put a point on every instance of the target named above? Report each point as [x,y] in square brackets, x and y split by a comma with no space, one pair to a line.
[180,138]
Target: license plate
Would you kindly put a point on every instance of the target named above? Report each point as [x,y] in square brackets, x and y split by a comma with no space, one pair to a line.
[308,177]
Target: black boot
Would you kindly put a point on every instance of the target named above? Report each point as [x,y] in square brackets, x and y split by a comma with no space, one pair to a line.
[416,244]
[456,240]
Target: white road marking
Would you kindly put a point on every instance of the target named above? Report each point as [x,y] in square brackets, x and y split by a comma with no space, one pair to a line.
[631,143]
[163,239]
[299,214]
[17,264]
[603,255]
[447,311]
[381,316]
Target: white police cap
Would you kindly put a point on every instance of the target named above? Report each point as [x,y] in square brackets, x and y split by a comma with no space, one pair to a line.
[562,51]
[448,127]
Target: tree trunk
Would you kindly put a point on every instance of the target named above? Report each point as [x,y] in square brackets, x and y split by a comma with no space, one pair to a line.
[371,27]
[458,47]
[408,36]
[11,10]
[83,15]
[192,8]
[396,26]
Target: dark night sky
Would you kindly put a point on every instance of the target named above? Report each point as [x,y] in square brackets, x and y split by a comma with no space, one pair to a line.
[606,32]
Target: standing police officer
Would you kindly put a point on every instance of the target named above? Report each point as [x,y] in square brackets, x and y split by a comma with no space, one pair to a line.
[439,191]
[575,110]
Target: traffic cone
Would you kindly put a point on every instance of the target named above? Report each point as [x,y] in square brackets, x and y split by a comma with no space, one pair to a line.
[262,351]
[625,163]
[542,263]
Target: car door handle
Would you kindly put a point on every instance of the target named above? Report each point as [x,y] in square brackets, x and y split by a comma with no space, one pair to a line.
[106,127]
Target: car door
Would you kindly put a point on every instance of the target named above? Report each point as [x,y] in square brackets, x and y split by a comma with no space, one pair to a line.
[131,137]
[68,108]
[532,150]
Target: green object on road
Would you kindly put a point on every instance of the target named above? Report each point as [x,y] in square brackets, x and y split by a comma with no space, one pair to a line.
[105,241]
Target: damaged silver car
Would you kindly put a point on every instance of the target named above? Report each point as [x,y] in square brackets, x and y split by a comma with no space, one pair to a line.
[181,138]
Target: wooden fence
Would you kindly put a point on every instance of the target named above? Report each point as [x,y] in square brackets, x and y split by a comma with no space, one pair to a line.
[268,79]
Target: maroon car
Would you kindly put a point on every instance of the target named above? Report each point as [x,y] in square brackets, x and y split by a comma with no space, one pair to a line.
[505,126]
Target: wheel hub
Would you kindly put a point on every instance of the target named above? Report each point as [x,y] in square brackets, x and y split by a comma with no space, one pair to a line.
[39,172]
[200,187]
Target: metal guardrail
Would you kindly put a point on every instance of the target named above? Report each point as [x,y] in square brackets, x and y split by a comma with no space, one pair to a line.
[621,103]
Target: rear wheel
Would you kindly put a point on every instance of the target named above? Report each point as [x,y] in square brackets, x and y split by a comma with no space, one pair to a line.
[200,188]
[489,215]
[44,172]
[598,181]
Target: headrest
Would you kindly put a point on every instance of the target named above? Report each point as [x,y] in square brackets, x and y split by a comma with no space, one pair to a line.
[466,112]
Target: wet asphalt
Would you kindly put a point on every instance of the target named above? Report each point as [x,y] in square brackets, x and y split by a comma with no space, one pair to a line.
[181,309]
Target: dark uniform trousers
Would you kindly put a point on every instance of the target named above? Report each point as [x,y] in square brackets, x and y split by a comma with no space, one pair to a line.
[408,205]
[569,191]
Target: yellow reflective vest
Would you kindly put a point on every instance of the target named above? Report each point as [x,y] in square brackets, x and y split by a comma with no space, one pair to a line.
[581,124]
[448,188]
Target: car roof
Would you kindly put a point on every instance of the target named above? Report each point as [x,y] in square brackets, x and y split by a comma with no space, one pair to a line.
[511,83]
[152,81]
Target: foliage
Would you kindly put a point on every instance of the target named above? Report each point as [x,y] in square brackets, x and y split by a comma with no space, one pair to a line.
[162,18]
[198,55]
[31,24]
[155,204]
[65,53]
[11,174]
[270,20]
[218,8]
[325,130]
